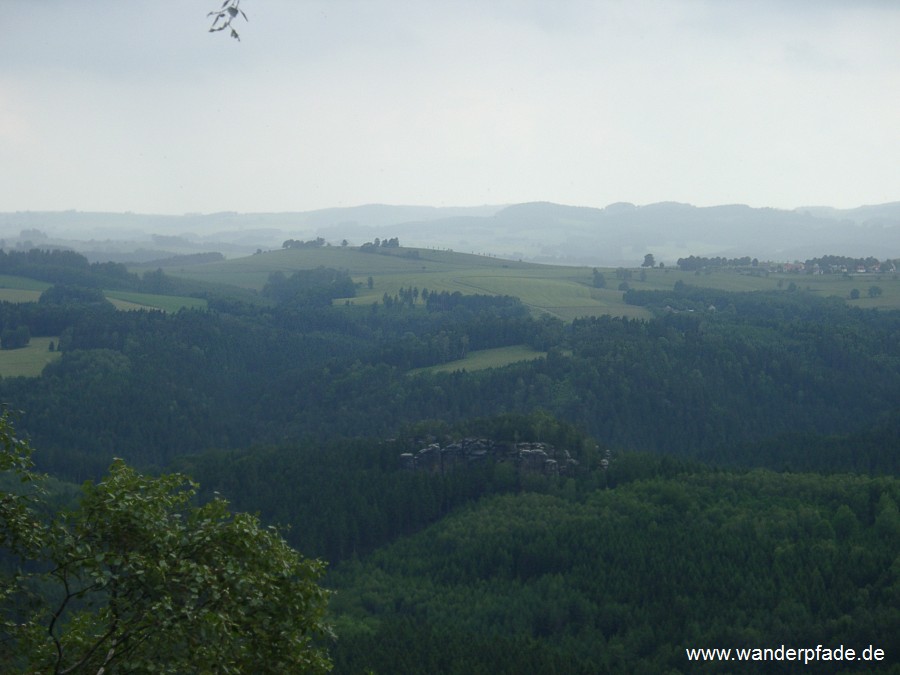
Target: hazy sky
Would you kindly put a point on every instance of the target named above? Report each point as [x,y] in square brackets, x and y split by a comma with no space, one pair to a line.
[115,105]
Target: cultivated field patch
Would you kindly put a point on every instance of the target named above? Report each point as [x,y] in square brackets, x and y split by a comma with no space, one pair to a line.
[28,361]
[483,359]
[8,281]
[126,300]
[20,289]
[560,290]
[19,295]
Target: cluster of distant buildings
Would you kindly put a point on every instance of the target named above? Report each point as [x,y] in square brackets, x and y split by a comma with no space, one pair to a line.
[844,265]
[829,264]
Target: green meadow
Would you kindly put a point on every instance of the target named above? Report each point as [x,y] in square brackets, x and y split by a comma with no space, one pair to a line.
[28,361]
[126,300]
[486,358]
[559,290]
[20,289]
[19,295]
[8,282]
[563,291]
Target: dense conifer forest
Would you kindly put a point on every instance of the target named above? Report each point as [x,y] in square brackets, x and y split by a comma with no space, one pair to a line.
[722,474]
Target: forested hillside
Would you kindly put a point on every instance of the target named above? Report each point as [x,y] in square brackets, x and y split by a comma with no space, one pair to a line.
[720,474]
[623,580]
[151,386]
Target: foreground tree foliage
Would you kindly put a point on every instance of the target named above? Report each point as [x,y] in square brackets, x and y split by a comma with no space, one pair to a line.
[139,579]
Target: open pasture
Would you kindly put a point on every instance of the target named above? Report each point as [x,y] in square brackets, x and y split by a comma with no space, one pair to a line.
[253,271]
[558,290]
[20,289]
[19,295]
[28,361]
[126,300]
[483,359]
[563,291]
[823,285]
[22,283]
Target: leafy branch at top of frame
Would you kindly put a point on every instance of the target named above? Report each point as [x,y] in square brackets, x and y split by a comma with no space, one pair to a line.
[225,15]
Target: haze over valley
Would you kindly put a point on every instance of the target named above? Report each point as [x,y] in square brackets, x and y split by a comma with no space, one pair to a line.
[617,235]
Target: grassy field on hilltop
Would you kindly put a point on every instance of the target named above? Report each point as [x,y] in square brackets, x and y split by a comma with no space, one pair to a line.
[253,271]
[563,291]
[559,290]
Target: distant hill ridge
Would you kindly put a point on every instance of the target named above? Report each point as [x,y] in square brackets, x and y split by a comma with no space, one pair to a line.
[619,234]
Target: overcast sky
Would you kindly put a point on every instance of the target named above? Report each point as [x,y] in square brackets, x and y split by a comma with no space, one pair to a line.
[114,105]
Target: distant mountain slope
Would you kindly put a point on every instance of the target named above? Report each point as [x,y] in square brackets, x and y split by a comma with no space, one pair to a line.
[81,225]
[622,233]
[135,237]
[875,214]
[618,235]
